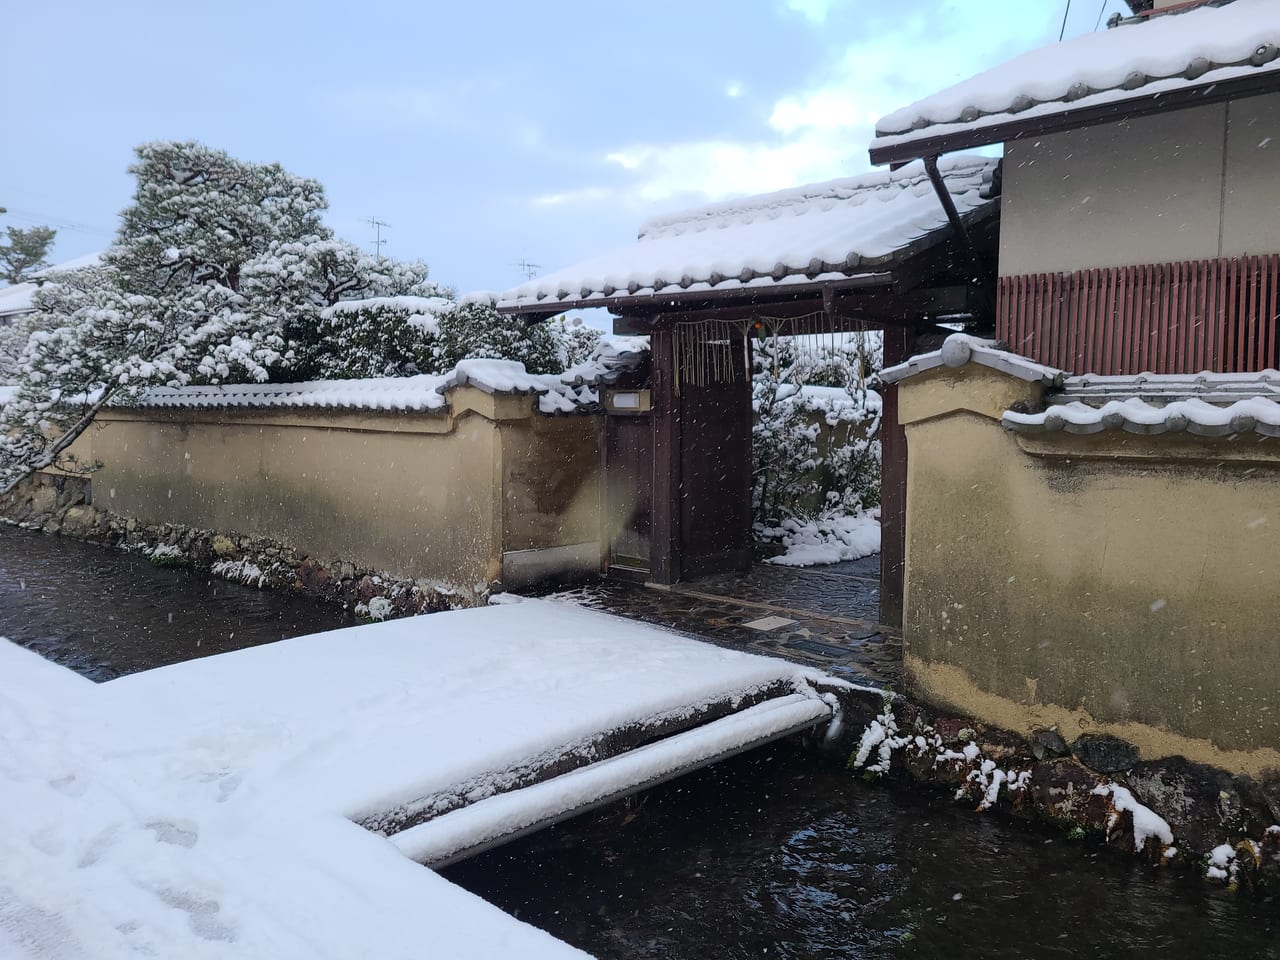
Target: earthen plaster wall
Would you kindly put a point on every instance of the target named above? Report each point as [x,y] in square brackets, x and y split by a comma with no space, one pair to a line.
[441,495]
[1113,583]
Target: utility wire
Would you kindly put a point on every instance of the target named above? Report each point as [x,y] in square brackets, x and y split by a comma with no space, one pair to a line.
[1065,13]
[1101,11]
[58,222]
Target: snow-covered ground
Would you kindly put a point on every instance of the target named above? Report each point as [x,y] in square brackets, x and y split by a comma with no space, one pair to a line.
[204,810]
[829,539]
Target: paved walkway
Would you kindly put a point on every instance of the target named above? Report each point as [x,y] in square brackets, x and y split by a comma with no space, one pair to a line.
[817,616]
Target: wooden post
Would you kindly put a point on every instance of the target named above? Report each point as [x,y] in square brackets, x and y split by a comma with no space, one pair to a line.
[664,543]
[898,342]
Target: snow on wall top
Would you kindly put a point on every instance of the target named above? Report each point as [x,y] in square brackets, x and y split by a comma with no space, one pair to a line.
[570,392]
[1133,61]
[959,349]
[1204,404]
[857,226]
[1136,415]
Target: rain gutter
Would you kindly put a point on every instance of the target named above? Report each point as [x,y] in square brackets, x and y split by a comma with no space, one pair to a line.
[953,215]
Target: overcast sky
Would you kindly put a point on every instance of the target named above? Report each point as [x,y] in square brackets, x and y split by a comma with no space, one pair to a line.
[489,131]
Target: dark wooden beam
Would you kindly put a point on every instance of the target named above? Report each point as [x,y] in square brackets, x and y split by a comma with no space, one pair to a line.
[1237,88]
[664,530]
[847,310]
[655,303]
[898,345]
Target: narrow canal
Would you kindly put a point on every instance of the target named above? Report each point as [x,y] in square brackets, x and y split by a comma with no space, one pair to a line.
[772,855]
[105,613]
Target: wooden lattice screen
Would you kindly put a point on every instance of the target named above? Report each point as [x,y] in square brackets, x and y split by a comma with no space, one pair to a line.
[709,352]
[1218,315]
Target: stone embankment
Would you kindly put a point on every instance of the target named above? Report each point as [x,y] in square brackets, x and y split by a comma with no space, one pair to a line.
[61,505]
[1169,811]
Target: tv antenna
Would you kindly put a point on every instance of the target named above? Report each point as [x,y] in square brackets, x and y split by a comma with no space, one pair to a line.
[377,230]
[530,270]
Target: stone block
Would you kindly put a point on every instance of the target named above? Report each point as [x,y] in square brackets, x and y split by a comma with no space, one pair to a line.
[1104,753]
[1063,791]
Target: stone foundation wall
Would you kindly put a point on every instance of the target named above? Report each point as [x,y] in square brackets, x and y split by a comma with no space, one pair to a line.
[1172,812]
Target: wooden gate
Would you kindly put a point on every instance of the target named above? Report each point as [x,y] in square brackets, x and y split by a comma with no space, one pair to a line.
[628,494]
[713,387]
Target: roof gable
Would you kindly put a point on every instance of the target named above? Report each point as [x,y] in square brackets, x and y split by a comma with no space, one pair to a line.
[837,230]
[1177,59]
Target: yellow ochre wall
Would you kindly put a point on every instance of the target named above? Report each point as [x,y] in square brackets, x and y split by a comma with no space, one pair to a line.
[443,495]
[1113,583]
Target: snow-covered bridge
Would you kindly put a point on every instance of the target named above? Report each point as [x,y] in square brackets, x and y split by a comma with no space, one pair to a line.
[261,803]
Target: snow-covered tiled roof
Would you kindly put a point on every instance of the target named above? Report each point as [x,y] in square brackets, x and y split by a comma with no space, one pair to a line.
[1163,387]
[959,349]
[19,297]
[1205,404]
[854,227]
[1205,51]
[570,392]
[1135,415]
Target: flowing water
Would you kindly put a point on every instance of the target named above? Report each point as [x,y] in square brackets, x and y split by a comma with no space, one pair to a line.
[777,854]
[105,613]
[780,854]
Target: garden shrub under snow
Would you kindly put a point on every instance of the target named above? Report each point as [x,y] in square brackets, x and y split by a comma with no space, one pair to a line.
[816,445]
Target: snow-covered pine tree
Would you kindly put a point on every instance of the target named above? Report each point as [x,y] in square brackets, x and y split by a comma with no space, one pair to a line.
[219,271]
[379,337]
[477,330]
[61,293]
[297,283]
[575,341]
[25,252]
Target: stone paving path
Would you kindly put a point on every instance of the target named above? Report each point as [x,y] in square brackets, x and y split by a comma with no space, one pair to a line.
[816,617]
[817,590]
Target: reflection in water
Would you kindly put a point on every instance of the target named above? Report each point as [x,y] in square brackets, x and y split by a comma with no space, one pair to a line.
[104,612]
[782,855]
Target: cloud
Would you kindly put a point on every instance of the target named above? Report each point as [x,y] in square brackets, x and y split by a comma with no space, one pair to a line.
[829,109]
[821,130]
[583,195]
[713,169]
[453,101]
[814,11]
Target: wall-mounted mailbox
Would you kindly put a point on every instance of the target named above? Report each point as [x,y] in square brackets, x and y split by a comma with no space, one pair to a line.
[627,401]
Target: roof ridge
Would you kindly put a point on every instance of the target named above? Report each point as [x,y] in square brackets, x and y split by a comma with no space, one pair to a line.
[800,198]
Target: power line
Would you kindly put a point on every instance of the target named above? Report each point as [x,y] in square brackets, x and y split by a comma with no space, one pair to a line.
[58,222]
[1065,13]
[1101,11]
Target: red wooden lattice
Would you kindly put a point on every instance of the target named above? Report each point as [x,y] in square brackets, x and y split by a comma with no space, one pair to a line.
[1218,315]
